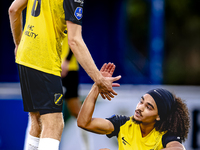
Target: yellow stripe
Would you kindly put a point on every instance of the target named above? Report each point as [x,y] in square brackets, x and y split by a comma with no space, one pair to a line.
[58,99]
[36,5]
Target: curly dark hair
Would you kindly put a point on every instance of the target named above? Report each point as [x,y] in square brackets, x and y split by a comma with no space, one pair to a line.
[177,122]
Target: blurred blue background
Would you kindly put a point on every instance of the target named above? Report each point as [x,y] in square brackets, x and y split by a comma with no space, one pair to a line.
[150,42]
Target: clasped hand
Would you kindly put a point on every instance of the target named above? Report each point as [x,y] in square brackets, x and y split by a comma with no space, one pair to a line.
[106,84]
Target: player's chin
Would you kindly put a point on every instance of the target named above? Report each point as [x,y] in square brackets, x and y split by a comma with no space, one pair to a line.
[137,120]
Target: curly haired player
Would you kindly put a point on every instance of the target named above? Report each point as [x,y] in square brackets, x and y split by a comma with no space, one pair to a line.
[161,120]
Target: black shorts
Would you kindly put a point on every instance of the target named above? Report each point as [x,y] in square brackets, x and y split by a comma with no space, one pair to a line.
[40,91]
[70,82]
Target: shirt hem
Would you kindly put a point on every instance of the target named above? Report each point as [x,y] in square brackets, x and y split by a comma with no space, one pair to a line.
[38,68]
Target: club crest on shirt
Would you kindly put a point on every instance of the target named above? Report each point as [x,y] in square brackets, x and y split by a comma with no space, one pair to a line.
[78,13]
[58,99]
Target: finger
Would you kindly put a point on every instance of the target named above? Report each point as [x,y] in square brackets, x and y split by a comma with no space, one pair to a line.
[107,67]
[103,67]
[113,92]
[112,69]
[115,85]
[110,94]
[108,97]
[110,66]
[102,95]
[116,78]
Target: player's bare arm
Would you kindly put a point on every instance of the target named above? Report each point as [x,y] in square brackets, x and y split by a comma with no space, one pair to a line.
[174,145]
[83,56]
[15,15]
[85,120]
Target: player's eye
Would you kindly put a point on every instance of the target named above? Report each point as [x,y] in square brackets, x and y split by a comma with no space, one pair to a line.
[149,107]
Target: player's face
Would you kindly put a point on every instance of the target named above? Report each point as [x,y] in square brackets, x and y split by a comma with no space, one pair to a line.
[146,110]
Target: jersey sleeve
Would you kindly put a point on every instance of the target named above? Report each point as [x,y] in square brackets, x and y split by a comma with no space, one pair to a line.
[117,121]
[73,10]
[167,137]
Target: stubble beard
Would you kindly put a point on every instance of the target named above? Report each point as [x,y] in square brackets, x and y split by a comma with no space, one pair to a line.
[136,121]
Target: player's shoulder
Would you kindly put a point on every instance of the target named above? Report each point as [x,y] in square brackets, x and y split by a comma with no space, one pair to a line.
[169,137]
[120,119]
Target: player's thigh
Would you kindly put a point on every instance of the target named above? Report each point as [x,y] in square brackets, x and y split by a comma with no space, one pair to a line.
[52,119]
[35,124]
[52,125]
[35,117]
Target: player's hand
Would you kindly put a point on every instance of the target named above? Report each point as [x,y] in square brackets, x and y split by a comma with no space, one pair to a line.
[65,68]
[106,84]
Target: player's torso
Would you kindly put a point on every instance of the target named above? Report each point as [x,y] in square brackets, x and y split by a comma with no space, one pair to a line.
[130,138]
[41,44]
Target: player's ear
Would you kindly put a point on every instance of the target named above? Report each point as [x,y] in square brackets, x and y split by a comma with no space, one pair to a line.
[158,118]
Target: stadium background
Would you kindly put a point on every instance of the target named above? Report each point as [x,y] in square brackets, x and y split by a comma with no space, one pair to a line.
[152,43]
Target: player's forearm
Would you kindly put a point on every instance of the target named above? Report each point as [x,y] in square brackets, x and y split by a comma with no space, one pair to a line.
[87,109]
[16,24]
[84,58]
[174,148]
[174,145]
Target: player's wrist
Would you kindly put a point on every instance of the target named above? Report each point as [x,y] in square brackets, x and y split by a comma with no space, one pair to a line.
[99,80]
[95,86]
[95,90]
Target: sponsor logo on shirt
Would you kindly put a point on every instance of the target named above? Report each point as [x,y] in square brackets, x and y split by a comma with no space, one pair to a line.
[29,32]
[78,13]
[79,1]
[124,141]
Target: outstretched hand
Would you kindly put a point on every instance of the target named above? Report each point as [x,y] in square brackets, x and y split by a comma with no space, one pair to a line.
[107,71]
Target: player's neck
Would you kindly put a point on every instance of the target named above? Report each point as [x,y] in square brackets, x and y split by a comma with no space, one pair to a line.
[146,129]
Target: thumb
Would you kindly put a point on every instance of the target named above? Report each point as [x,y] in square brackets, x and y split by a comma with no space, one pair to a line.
[116,78]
